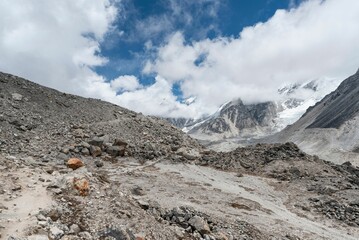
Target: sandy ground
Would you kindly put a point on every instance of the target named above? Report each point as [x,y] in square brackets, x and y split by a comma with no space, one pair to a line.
[22,205]
[224,195]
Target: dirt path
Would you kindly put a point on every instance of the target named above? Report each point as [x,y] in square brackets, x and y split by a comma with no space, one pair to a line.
[22,205]
[225,195]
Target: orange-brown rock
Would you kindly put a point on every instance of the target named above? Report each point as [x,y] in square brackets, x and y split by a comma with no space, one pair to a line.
[82,186]
[74,163]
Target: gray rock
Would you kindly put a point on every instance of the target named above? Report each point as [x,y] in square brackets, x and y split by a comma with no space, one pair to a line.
[85,235]
[74,229]
[16,96]
[199,224]
[96,141]
[56,233]
[85,152]
[95,151]
[189,154]
[116,151]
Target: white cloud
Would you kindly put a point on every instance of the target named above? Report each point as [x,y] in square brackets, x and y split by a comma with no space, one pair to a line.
[125,83]
[55,43]
[317,39]
[156,99]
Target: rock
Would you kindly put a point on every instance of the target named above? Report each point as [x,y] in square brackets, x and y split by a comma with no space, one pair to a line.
[74,163]
[16,188]
[119,142]
[99,163]
[95,151]
[85,235]
[78,133]
[16,96]
[99,141]
[56,233]
[138,191]
[144,205]
[85,152]
[189,154]
[116,151]
[74,229]
[85,145]
[121,233]
[199,224]
[82,186]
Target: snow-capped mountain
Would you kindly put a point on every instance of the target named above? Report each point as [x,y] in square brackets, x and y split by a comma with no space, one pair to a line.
[239,120]
[330,128]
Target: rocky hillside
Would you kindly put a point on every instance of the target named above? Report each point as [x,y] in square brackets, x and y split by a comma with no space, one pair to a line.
[73,168]
[330,128]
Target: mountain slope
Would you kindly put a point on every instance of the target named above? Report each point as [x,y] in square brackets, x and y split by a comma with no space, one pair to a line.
[237,119]
[253,121]
[329,129]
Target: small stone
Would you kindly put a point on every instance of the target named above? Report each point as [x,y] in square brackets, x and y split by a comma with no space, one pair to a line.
[199,224]
[85,152]
[119,142]
[56,233]
[16,96]
[85,235]
[74,163]
[116,151]
[138,191]
[95,151]
[96,141]
[99,163]
[82,186]
[74,228]
[16,188]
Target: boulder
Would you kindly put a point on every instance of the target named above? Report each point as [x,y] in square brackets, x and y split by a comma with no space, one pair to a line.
[74,163]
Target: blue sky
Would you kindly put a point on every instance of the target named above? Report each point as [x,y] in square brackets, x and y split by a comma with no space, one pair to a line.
[125,47]
[178,58]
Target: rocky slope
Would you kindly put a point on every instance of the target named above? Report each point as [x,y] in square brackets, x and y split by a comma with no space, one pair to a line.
[76,168]
[330,129]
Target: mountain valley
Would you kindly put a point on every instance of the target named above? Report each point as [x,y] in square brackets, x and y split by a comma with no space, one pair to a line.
[77,168]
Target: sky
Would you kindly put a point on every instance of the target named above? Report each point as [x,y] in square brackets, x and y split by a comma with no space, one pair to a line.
[178,58]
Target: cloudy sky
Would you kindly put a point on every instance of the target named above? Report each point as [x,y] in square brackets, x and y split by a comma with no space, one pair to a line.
[178,58]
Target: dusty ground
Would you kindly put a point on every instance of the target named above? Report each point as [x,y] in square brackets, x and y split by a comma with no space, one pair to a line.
[24,195]
[225,195]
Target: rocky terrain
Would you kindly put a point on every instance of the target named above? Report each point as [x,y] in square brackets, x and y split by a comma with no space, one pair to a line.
[329,128]
[76,168]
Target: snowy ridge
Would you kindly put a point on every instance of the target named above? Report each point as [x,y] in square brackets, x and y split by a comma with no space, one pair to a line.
[234,119]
